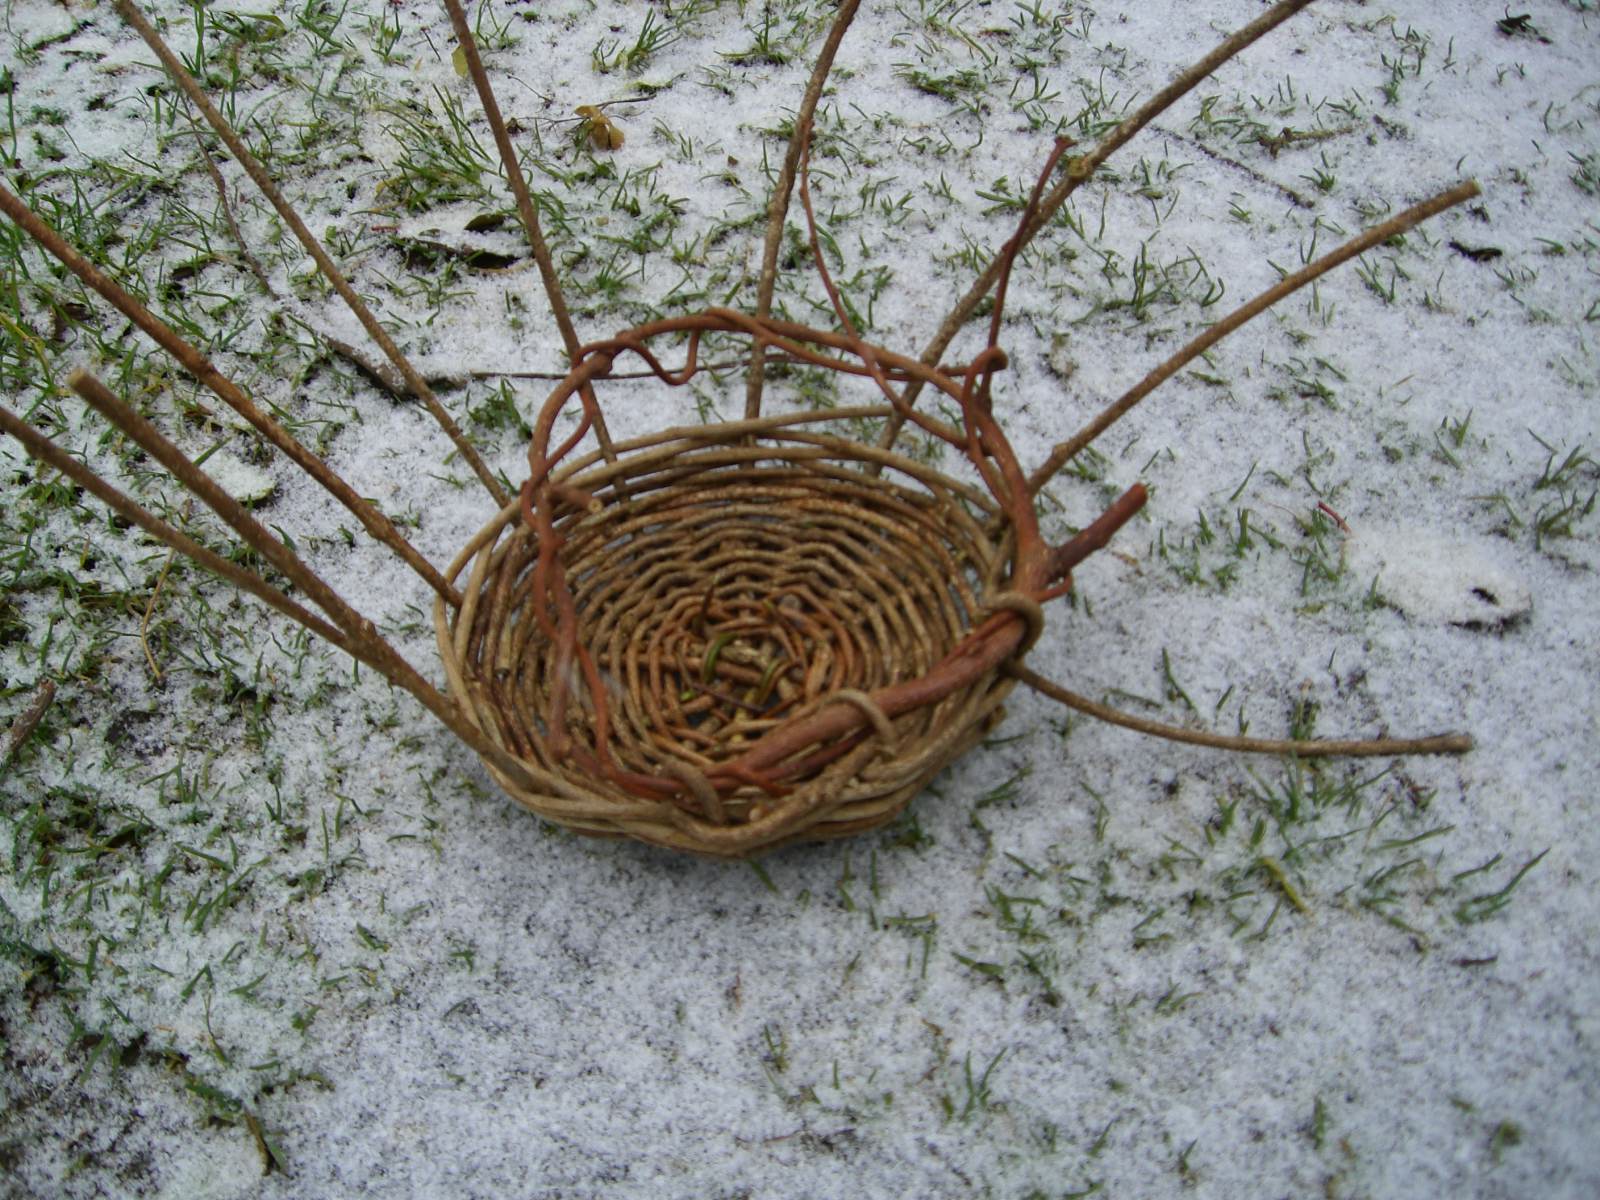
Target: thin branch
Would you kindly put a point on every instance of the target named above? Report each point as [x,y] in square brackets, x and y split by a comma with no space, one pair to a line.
[381,374]
[250,260]
[384,376]
[1376,236]
[313,247]
[1233,164]
[1008,253]
[529,214]
[1446,743]
[778,206]
[1080,170]
[614,376]
[1094,536]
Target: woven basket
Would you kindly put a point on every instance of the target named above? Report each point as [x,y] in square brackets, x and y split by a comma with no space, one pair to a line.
[724,583]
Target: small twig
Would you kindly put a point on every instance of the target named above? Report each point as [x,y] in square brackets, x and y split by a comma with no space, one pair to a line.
[726,364]
[1284,190]
[385,377]
[529,215]
[1290,137]
[1324,507]
[149,609]
[971,441]
[1008,253]
[1007,260]
[1079,171]
[221,185]
[1448,743]
[22,728]
[382,374]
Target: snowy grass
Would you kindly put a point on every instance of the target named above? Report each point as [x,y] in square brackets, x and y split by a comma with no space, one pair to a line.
[264,929]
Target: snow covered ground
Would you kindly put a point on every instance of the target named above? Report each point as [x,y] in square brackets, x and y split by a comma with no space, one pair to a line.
[265,929]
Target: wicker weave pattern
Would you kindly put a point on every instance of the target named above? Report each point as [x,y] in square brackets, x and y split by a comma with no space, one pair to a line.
[726,580]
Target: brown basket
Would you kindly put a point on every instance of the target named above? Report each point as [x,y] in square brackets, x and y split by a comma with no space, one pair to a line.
[725,583]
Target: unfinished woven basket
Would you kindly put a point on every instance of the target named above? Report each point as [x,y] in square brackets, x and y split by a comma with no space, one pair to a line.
[724,583]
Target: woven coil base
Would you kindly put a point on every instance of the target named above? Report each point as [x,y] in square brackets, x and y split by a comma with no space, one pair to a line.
[727,579]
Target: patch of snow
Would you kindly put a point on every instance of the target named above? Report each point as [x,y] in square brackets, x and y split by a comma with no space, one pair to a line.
[1441,578]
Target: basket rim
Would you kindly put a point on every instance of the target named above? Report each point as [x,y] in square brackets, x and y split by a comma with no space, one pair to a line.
[592,471]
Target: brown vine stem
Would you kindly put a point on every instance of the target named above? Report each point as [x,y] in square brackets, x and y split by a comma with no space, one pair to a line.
[197,364]
[841,314]
[528,213]
[778,206]
[385,377]
[1447,743]
[1008,252]
[975,409]
[726,364]
[1079,171]
[1376,236]
[1092,537]
[258,174]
